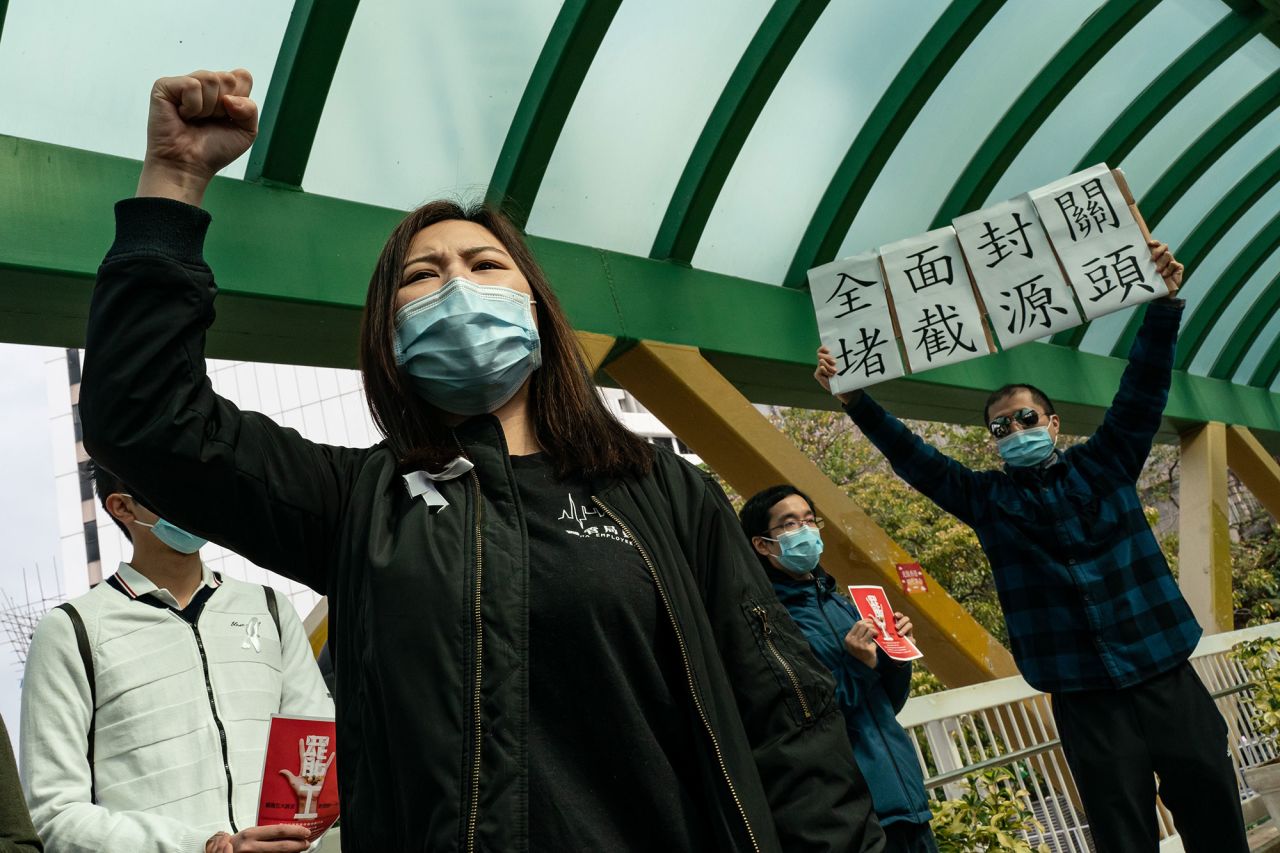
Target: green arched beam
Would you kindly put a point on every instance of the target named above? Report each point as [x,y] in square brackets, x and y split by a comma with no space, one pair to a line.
[1192,163]
[308,58]
[780,35]
[553,86]
[1265,374]
[1243,115]
[1195,331]
[4,7]
[1246,332]
[1095,37]
[1211,228]
[897,108]
[1163,94]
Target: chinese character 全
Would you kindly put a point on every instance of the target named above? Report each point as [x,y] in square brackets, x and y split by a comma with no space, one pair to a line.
[847,289]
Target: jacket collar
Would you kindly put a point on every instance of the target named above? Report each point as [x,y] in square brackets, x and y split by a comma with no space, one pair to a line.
[792,590]
[135,584]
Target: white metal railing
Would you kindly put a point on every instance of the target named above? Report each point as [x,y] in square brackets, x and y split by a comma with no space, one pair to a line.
[1007,723]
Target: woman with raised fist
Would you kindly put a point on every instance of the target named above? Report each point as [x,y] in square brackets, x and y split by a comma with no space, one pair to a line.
[541,625]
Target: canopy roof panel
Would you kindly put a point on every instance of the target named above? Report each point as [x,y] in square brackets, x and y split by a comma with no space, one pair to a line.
[743,138]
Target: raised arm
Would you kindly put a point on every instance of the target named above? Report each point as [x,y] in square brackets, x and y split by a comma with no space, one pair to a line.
[1129,426]
[149,412]
[929,471]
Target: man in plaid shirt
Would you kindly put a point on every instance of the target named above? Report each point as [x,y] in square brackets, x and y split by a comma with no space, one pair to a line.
[1094,616]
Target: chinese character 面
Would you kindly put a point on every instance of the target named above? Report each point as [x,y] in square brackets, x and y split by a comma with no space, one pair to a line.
[1032,306]
[926,274]
[847,289]
[938,336]
[1126,273]
[1001,244]
[1096,214]
[863,358]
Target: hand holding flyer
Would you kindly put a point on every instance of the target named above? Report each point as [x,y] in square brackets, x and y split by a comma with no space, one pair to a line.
[872,603]
[309,796]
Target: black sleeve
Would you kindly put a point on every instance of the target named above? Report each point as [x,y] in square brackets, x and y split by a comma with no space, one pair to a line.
[816,801]
[17,835]
[151,417]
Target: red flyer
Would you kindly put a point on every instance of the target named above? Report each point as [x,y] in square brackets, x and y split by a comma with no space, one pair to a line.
[873,604]
[299,776]
[912,577]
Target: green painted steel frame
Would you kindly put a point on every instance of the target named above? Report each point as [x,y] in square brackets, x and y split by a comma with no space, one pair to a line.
[1095,37]
[1205,313]
[305,65]
[767,56]
[1208,147]
[888,121]
[1243,336]
[295,268]
[566,56]
[1268,369]
[1172,85]
[1243,115]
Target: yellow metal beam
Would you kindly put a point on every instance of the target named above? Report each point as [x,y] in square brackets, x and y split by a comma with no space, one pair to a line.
[595,347]
[1255,467]
[687,394]
[1204,532]
[317,626]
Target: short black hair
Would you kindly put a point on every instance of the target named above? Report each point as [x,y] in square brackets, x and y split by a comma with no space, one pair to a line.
[1041,398]
[755,512]
[107,484]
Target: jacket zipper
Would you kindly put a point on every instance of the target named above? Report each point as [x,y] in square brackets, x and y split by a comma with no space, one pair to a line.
[688,668]
[222,733]
[478,627]
[786,667]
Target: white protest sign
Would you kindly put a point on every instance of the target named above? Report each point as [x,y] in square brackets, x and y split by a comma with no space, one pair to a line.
[934,301]
[854,322]
[1016,272]
[1099,242]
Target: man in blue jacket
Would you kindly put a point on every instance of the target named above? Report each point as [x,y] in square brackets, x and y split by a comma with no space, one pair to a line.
[870,687]
[1095,618]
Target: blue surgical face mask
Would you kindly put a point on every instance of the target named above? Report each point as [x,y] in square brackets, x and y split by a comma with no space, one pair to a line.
[175,537]
[1026,447]
[800,550]
[467,347]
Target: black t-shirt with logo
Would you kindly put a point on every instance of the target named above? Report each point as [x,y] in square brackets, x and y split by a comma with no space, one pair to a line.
[612,763]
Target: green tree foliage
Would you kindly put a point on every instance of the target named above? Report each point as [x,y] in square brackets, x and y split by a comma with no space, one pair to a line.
[993,813]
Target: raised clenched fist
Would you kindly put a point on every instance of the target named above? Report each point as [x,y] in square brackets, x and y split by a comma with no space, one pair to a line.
[197,125]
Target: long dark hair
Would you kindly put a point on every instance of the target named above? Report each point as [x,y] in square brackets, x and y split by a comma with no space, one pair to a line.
[575,428]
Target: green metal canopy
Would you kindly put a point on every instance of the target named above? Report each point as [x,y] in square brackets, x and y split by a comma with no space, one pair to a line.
[680,165]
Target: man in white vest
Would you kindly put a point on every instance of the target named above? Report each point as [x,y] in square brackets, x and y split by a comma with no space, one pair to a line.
[146,701]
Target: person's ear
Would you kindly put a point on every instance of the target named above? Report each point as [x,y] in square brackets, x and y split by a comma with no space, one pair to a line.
[761,546]
[1055,425]
[119,508]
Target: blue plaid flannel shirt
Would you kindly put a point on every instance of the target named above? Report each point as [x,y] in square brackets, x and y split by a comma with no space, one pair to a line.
[1087,594]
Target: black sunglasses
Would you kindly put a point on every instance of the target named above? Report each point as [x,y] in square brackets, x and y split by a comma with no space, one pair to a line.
[1026,417]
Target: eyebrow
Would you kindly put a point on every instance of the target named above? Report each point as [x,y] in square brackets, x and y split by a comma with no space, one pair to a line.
[467,254]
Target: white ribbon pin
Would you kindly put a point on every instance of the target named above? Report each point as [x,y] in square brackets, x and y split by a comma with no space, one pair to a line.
[253,632]
[423,483]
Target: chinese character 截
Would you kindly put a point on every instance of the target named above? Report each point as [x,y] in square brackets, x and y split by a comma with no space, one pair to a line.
[938,336]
